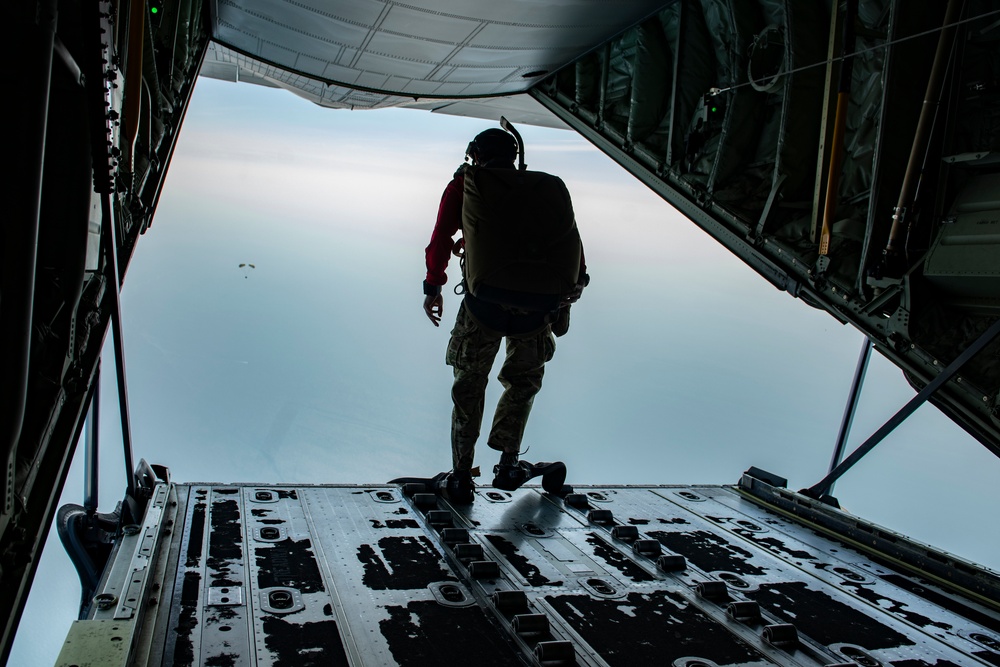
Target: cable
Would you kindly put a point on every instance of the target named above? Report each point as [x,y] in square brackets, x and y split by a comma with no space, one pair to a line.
[718,91]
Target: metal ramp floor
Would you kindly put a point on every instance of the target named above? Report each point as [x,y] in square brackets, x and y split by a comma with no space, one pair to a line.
[687,576]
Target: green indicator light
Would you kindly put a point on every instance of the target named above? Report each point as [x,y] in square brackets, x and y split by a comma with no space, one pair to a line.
[714,109]
[153,10]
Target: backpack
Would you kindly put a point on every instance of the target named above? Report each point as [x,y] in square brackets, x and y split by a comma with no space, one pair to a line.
[522,247]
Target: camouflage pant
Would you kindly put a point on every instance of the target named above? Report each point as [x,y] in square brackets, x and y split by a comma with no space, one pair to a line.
[471,352]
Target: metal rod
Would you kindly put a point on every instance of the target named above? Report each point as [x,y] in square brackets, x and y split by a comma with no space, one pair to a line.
[674,86]
[852,405]
[839,125]
[92,446]
[932,98]
[133,79]
[605,71]
[824,485]
[20,247]
[110,247]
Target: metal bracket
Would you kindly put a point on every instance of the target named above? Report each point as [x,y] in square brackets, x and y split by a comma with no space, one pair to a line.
[758,233]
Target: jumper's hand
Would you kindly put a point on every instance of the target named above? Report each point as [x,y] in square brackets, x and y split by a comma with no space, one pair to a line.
[433,307]
[573,296]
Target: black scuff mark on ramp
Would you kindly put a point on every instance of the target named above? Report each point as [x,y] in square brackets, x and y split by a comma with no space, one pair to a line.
[402,510]
[315,644]
[708,551]
[894,606]
[921,663]
[774,545]
[221,615]
[520,562]
[222,660]
[615,559]
[287,494]
[944,601]
[988,656]
[824,618]
[654,628]
[188,619]
[639,522]
[288,563]
[397,524]
[426,633]
[410,562]
[260,512]
[676,521]
[196,535]
[225,543]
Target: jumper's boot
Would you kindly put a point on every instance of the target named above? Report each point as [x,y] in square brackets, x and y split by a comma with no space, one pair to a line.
[510,473]
[553,478]
[458,487]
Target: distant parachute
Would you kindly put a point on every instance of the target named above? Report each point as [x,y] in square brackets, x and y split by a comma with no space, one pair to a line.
[246,269]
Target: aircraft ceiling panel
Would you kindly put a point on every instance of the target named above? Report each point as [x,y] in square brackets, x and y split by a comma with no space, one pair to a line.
[355,12]
[576,38]
[429,27]
[250,30]
[372,62]
[381,44]
[309,62]
[372,80]
[484,59]
[407,50]
[228,65]
[517,108]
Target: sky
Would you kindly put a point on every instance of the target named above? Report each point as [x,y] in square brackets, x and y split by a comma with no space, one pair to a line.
[681,366]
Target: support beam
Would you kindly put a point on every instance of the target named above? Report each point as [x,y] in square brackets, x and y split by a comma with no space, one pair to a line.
[92,448]
[110,248]
[823,487]
[852,405]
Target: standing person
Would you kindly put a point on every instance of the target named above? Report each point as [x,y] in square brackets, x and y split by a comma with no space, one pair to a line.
[522,264]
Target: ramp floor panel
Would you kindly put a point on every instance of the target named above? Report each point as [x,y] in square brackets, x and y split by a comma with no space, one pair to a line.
[682,576]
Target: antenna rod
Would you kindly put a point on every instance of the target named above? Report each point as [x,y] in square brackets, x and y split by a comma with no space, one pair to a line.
[506,124]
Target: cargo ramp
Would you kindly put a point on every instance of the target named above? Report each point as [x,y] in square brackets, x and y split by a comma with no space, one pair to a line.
[687,576]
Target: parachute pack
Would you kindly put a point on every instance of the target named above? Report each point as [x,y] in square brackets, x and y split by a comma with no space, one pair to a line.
[522,247]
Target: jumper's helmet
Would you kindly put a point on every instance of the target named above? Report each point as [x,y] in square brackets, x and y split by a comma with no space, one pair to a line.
[492,145]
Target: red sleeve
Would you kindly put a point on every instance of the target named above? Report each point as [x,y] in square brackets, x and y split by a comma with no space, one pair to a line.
[449,221]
